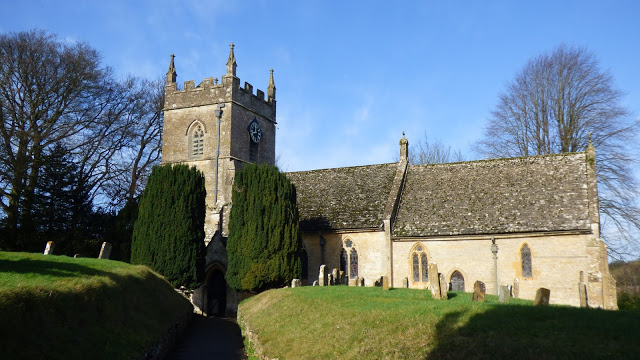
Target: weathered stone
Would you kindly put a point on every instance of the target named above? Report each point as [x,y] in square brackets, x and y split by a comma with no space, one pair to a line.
[323,280]
[444,287]
[360,281]
[48,250]
[105,251]
[315,283]
[405,283]
[336,277]
[385,283]
[542,297]
[330,280]
[479,291]
[582,290]
[516,287]
[76,256]
[296,283]
[434,281]
[504,295]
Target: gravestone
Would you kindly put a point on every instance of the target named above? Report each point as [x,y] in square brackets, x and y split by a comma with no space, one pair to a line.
[504,295]
[48,249]
[105,251]
[434,281]
[405,283]
[322,276]
[343,278]
[76,255]
[385,283]
[336,277]
[582,289]
[296,283]
[360,281]
[357,281]
[542,297]
[516,287]
[330,280]
[315,283]
[479,291]
[444,287]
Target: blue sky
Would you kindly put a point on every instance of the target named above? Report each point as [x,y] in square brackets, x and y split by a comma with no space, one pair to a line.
[351,76]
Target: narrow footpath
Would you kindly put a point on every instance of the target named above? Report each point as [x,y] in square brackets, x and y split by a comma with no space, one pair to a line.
[209,338]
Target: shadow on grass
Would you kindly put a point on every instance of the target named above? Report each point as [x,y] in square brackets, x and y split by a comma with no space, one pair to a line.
[527,332]
[48,267]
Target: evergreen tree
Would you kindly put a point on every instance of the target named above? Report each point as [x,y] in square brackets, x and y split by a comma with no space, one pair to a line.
[264,245]
[168,235]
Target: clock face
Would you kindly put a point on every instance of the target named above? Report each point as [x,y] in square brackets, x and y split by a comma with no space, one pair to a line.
[254,131]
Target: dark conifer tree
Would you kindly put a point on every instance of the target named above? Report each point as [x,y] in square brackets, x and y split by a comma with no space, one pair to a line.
[168,235]
[264,245]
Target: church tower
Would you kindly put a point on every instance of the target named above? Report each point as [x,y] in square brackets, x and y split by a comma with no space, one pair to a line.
[218,127]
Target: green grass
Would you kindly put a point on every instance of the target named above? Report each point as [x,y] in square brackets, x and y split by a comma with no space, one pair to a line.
[369,323]
[56,307]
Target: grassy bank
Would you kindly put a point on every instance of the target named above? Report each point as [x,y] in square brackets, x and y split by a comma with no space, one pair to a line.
[369,323]
[56,307]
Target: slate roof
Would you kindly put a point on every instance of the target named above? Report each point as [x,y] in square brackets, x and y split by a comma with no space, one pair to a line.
[542,193]
[343,198]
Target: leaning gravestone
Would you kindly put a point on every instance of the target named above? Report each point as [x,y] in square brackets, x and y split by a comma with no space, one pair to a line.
[336,276]
[105,251]
[542,297]
[405,283]
[516,287]
[296,283]
[443,287]
[434,281]
[385,283]
[504,295]
[315,283]
[479,291]
[582,290]
[48,249]
[322,276]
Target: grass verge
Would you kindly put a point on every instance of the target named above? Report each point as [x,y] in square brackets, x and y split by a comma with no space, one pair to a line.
[56,307]
[369,323]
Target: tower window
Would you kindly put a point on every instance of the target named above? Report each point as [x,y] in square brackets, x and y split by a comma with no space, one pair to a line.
[196,143]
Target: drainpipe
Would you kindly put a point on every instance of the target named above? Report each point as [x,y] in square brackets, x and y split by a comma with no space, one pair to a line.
[494,250]
[218,114]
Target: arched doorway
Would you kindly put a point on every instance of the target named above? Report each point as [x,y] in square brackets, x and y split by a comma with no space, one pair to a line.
[457,281]
[216,293]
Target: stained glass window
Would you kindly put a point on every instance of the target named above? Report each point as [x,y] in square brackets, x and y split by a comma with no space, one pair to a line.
[525,254]
[457,281]
[197,142]
[416,268]
[353,264]
[423,263]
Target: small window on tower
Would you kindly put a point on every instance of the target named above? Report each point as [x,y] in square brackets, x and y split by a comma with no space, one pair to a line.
[196,142]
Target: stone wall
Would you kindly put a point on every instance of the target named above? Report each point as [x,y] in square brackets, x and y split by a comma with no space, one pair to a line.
[557,260]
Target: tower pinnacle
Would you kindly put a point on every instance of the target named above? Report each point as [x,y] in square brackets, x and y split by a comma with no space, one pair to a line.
[271,88]
[231,63]
[171,73]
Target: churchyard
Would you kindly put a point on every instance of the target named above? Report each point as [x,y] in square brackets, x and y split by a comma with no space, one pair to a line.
[346,322]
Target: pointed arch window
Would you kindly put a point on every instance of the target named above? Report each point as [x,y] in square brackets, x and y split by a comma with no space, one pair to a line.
[419,265]
[525,257]
[196,142]
[457,281]
[353,264]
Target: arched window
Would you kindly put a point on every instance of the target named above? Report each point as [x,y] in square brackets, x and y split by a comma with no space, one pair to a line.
[196,143]
[419,265]
[304,260]
[343,261]
[353,264]
[525,256]
[457,281]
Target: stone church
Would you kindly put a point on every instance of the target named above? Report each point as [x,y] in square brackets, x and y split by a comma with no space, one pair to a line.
[526,222]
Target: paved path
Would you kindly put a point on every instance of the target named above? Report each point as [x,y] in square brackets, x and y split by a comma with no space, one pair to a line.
[209,338]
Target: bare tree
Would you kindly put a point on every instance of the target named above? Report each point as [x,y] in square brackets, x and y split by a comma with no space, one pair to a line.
[426,151]
[552,106]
